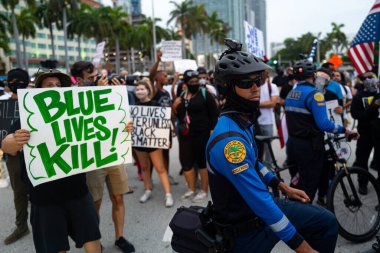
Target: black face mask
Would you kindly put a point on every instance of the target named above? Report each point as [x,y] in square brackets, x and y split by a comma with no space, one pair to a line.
[244,106]
[17,85]
[193,88]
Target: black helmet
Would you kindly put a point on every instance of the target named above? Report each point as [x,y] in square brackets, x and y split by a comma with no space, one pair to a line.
[233,63]
[303,69]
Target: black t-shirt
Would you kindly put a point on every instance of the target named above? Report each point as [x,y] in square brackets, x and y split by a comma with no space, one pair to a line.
[285,90]
[54,192]
[202,111]
[280,81]
[162,98]
[149,103]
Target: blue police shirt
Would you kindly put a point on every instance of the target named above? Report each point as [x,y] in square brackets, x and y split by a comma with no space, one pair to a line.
[306,114]
[236,185]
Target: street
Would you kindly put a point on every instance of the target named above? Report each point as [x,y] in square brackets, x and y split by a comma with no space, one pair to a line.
[146,224]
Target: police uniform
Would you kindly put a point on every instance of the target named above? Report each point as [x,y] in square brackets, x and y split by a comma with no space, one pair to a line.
[238,186]
[307,121]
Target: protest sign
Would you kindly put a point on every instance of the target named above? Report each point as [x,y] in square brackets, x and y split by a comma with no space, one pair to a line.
[151,126]
[74,130]
[99,53]
[171,50]
[181,66]
[8,114]
[254,40]
[333,116]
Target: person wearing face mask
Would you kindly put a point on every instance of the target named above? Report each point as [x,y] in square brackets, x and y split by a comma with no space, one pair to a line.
[250,219]
[146,156]
[307,120]
[198,113]
[17,79]
[362,110]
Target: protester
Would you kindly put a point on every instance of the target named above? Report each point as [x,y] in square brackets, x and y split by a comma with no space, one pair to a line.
[115,177]
[242,204]
[17,79]
[198,113]
[288,86]
[268,100]
[307,120]
[346,92]
[362,111]
[160,78]
[61,204]
[146,156]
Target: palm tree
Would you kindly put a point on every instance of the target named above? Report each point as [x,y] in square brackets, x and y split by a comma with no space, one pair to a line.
[117,25]
[199,25]
[183,16]
[11,4]
[79,24]
[47,18]
[26,22]
[337,38]
[4,40]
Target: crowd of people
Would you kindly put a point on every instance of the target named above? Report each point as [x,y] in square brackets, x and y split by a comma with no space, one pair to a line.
[213,117]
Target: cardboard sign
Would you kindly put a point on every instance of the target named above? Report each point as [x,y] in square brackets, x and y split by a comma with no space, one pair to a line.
[99,53]
[151,126]
[171,50]
[254,40]
[74,130]
[8,114]
[182,65]
[333,116]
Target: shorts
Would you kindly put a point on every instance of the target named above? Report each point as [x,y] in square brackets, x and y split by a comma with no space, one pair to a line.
[52,224]
[192,150]
[115,177]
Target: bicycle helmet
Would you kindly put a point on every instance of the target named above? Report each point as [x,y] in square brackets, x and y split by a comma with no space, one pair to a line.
[234,63]
[303,69]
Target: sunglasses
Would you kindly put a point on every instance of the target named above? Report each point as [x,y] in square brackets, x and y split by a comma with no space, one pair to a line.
[248,83]
[192,74]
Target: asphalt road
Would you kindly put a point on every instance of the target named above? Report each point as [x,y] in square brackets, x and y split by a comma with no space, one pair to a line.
[146,224]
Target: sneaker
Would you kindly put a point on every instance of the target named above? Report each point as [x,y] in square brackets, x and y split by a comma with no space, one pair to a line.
[146,196]
[188,194]
[124,245]
[17,234]
[363,189]
[201,196]
[169,202]
[172,180]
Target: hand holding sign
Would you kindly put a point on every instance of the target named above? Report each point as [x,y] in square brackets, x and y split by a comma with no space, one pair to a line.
[71,130]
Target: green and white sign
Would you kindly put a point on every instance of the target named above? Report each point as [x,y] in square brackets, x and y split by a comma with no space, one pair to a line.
[74,130]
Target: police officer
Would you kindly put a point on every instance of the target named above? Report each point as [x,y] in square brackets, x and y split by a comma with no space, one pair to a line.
[247,214]
[307,121]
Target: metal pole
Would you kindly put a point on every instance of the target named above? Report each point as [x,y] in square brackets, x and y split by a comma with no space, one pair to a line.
[378,65]
[65,38]
[154,34]
[318,55]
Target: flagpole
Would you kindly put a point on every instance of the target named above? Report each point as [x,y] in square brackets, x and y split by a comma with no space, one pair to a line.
[378,65]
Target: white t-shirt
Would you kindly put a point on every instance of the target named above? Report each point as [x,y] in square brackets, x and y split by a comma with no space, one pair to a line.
[266,117]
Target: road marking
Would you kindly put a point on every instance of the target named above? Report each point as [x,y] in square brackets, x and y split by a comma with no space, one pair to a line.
[168,235]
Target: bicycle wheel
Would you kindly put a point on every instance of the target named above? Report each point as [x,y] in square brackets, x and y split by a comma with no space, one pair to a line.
[358,215]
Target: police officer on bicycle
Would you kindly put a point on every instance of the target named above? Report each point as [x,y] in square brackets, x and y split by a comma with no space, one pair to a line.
[248,216]
[307,120]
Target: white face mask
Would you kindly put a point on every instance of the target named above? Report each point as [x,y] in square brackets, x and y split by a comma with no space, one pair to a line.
[141,94]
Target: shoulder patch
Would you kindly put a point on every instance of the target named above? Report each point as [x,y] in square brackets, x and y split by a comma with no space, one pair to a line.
[321,104]
[319,97]
[235,151]
[240,169]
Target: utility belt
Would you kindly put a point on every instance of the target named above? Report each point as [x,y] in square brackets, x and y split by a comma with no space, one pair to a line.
[195,230]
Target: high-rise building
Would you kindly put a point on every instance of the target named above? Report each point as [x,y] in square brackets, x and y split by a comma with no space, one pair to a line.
[40,48]
[234,13]
[259,16]
[136,8]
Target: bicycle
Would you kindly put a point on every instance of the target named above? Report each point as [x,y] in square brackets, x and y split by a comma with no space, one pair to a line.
[358,215]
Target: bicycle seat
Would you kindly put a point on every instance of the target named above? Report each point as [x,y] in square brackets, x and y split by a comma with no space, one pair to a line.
[265,138]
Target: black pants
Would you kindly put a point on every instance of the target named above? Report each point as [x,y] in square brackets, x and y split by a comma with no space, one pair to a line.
[308,160]
[364,147]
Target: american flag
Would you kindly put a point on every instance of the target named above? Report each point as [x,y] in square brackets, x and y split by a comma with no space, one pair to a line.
[362,48]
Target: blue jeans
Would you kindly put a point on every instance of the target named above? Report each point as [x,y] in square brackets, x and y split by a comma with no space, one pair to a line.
[317,225]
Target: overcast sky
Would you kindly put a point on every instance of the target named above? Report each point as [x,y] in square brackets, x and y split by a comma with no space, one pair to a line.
[291,18]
